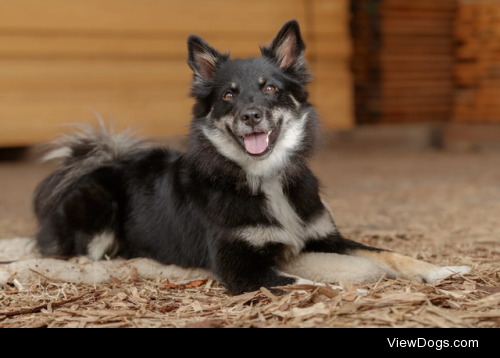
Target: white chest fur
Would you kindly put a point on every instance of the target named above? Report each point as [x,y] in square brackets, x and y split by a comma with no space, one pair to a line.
[293,232]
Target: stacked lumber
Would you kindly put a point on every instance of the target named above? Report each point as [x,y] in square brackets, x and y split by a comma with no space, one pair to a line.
[403,60]
[478,67]
[61,61]
[329,51]
[365,60]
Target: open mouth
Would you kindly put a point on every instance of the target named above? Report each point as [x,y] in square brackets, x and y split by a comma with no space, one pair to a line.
[259,143]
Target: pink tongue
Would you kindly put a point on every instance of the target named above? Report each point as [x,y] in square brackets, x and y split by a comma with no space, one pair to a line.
[256,143]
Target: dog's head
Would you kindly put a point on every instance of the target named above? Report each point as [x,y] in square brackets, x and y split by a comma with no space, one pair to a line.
[255,110]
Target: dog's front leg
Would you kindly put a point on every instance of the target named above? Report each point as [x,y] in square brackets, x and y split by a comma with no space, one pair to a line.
[243,267]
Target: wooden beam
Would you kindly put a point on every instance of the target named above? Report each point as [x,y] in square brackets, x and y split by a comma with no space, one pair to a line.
[150,48]
[163,17]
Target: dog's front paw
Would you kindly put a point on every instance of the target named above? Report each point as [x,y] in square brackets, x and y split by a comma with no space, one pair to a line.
[444,272]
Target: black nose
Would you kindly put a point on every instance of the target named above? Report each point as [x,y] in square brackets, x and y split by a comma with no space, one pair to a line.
[251,116]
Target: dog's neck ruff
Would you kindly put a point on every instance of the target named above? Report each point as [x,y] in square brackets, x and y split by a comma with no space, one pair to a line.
[275,164]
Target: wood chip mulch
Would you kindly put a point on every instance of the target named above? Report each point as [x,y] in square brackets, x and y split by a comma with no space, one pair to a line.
[469,301]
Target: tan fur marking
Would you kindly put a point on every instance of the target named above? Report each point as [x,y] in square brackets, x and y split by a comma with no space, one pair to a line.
[399,266]
[262,80]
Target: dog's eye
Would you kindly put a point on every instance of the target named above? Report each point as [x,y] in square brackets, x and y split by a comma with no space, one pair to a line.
[228,96]
[270,89]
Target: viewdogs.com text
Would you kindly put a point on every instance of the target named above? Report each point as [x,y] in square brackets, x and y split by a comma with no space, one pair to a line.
[429,343]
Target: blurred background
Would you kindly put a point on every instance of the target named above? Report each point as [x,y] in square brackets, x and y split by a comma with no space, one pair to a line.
[377,62]
[64,60]
[407,91]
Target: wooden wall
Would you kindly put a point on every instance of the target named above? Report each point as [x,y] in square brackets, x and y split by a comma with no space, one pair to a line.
[404,60]
[61,60]
[478,68]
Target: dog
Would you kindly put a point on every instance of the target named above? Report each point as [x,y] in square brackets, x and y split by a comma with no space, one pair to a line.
[240,202]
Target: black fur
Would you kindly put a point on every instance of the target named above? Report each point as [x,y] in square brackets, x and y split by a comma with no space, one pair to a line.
[188,209]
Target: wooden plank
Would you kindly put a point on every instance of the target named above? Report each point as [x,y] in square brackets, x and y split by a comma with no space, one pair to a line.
[157,112]
[418,51]
[332,93]
[78,75]
[417,26]
[87,47]
[74,75]
[398,41]
[331,48]
[330,16]
[404,108]
[334,70]
[411,101]
[418,30]
[411,66]
[420,85]
[133,95]
[445,15]
[33,117]
[419,92]
[408,118]
[477,71]
[161,16]
[424,76]
[439,5]
[422,59]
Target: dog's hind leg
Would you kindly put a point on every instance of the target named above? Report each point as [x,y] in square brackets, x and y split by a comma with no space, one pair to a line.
[329,267]
[334,258]
[400,266]
[82,223]
[329,257]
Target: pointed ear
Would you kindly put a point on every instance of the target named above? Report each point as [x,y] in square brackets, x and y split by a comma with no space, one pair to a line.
[287,48]
[203,58]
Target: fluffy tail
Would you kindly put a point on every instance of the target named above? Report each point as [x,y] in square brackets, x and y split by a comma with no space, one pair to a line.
[80,153]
